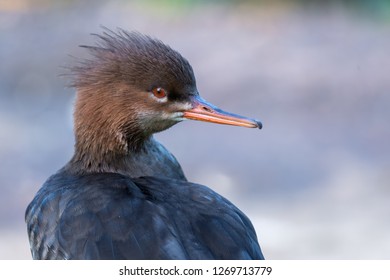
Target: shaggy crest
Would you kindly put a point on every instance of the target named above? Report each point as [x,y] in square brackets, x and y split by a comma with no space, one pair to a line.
[127,57]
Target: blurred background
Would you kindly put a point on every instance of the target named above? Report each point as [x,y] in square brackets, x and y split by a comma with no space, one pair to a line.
[315,181]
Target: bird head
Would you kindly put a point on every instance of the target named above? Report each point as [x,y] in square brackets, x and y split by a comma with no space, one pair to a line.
[134,85]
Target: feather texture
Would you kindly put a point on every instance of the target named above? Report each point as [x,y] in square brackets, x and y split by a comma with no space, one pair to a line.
[112,216]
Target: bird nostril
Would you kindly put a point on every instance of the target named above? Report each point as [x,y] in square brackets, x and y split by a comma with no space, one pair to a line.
[206,109]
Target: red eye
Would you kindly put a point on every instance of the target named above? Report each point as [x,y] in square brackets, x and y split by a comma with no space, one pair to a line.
[159,92]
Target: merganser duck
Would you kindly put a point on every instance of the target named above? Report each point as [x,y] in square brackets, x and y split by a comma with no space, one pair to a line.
[123,195]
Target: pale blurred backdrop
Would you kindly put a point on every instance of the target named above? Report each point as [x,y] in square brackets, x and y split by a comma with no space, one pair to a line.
[315,181]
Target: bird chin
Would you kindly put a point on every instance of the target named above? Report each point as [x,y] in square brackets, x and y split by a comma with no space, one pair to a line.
[175,117]
[164,124]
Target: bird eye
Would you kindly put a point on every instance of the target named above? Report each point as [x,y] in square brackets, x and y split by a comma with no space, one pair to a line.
[159,92]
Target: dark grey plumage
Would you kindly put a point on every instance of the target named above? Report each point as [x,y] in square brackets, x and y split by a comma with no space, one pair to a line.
[123,195]
[111,216]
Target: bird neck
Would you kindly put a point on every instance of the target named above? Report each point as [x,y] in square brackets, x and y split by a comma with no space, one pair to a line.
[148,158]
